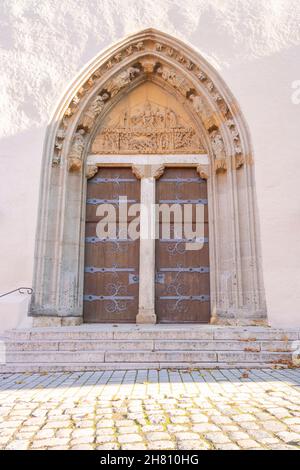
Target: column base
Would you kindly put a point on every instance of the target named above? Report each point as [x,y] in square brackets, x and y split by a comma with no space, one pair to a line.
[146,316]
[48,321]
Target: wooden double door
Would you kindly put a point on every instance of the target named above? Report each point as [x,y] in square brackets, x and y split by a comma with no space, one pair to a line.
[111,287]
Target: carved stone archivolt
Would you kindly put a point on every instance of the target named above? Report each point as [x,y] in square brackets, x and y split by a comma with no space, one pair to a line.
[150,59]
[148,128]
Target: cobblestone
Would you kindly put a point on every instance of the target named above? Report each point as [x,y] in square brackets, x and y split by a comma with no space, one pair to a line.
[99,410]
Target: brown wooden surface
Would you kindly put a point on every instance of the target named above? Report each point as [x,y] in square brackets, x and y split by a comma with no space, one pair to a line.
[174,255]
[111,254]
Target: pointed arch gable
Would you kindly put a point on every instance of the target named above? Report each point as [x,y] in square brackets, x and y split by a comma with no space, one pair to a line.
[150,55]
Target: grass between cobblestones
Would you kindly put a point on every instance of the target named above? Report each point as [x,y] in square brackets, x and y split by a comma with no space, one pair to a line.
[151,409]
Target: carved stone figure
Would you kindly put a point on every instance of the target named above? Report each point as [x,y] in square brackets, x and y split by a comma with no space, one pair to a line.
[75,155]
[171,120]
[198,104]
[94,110]
[122,80]
[175,80]
[217,145]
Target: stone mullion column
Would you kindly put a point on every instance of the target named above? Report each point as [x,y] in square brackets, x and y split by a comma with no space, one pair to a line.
[147,174]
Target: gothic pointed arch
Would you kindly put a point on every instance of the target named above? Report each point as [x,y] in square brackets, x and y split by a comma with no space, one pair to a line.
[216,127]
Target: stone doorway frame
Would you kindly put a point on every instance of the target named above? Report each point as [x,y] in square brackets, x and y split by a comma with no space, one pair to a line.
[237,293]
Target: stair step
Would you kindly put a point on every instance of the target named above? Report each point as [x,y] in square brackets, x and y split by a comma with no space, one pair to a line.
[145,356]
[151,345]
[164,332]
[81,367]
[104,347]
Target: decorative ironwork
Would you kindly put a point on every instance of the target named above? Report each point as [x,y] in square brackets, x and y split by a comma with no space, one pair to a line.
[179,244]
[183,180]
[178,292]
[21,290]
[117,180]
[133,279]
[160,278]
[116,242]
[95,201]
[183,201]
[117,298]
[114,269]
[182,269]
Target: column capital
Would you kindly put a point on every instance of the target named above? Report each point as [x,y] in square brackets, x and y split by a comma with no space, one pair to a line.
[148,171]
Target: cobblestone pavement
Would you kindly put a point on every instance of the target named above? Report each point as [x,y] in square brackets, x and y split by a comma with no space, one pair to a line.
[150,409]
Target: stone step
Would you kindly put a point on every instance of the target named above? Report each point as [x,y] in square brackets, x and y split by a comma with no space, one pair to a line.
[82,367]
[152,345]
[162,332]
[145,356]
[104,347]
[78,345]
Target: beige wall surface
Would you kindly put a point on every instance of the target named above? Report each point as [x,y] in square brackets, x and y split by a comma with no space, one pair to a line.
[255,47]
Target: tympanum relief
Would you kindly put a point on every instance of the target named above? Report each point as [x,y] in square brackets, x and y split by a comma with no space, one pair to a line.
[148,128]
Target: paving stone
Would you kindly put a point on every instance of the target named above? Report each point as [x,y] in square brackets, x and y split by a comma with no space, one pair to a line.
[157,436]
[83,447]
[196,444]
[109,446]
[230,446]
[274,426]
[217,437]
[216,414]
[199,418]
[161,445]
[247,444]
[289,437]
[129,438]
[83,432]
[18,444]
[205,427]
[137,446]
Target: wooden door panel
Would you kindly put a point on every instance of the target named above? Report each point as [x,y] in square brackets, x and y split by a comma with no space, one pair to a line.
[182,276]
[111,264]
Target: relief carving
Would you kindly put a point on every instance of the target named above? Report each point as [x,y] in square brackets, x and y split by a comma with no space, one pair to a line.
[148,128]
[176,80]
[218,150]
[148,171]
[91,171]
[121,80]
[217,144]
[75,155]
[199,106]
[94,110]
[203,171]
